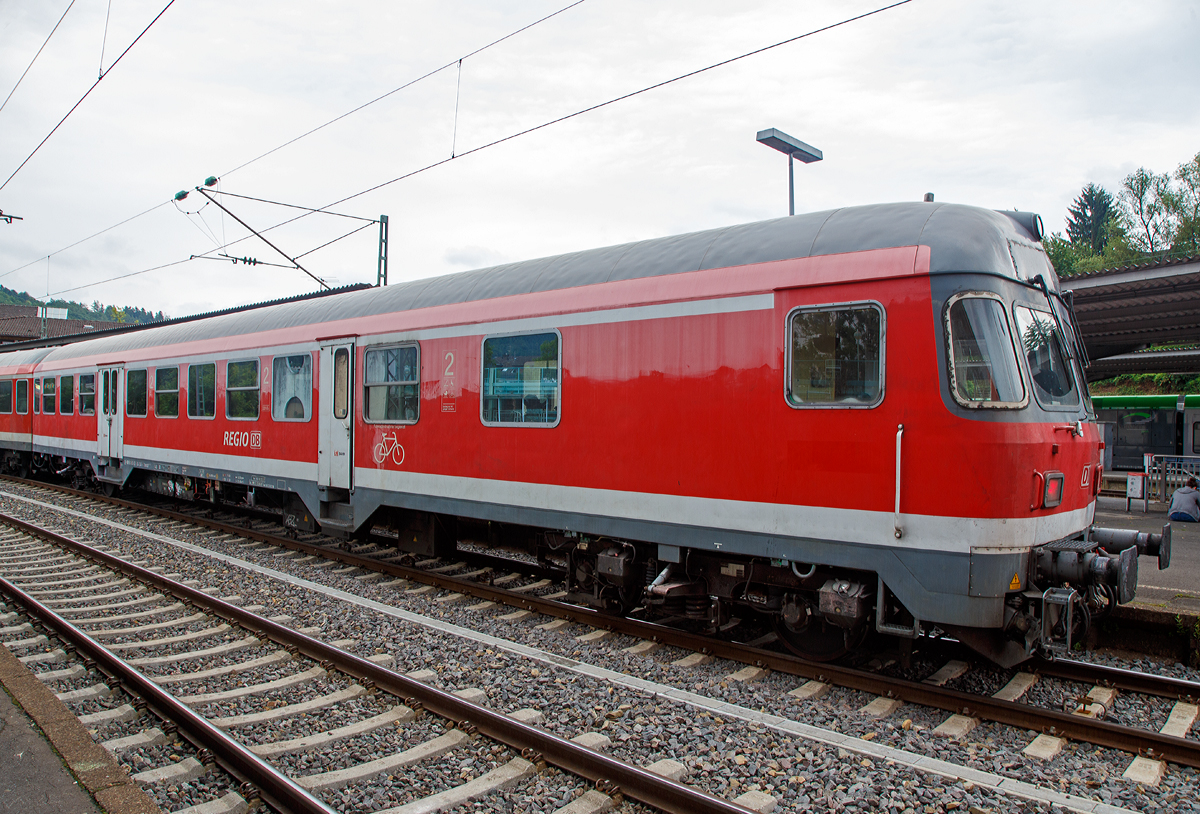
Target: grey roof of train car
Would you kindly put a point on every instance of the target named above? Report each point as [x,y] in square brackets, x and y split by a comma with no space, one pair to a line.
[28,356]
[961,238]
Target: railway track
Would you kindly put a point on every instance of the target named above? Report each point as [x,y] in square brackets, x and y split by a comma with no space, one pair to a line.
[933,690]
[90,600]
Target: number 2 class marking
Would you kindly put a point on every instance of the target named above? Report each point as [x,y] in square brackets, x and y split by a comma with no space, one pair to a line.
[449,363]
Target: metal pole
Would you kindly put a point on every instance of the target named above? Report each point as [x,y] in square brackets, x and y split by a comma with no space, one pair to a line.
[381,273]
[791,186]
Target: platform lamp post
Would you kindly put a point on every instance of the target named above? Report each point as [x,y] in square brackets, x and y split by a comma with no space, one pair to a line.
[793,148]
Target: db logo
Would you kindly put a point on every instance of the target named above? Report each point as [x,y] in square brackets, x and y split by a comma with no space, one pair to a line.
[1087,477]
[256,443]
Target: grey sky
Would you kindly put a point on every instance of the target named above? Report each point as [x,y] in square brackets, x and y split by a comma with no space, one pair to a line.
[1000,104]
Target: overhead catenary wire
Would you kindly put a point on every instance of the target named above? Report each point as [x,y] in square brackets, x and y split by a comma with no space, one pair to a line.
[89,237]
[590,109]
[408,84]
[204,229]
[286,256]
[623,97]
[294,206]
[534,129]
[121,276]
[35,56]
[104,40]
[87,93]
[457,97]
[336,239]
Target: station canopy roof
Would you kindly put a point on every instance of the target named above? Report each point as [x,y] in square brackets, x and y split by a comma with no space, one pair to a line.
[1122,312]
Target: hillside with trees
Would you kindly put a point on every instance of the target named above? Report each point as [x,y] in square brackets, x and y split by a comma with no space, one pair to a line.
[77,310]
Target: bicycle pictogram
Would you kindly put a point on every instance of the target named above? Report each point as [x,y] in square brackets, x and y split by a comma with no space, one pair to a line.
[389,446]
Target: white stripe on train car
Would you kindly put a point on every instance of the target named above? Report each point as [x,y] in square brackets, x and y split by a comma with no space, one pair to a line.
[638,313]
[247,464]
[56,442]
[925,532]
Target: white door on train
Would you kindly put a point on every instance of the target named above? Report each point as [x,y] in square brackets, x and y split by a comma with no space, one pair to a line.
[109,412]
[336,423]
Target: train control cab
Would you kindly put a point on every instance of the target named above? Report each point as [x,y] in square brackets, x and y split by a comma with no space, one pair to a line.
[872,420]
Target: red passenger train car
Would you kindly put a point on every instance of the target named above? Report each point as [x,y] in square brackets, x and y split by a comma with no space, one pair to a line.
[873,418]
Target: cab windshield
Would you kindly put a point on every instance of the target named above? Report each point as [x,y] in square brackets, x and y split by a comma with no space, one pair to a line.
[983,363]
[1049,367]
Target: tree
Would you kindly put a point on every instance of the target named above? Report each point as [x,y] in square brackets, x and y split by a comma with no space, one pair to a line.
[1184,204]
[1087,218]
[1145,198]
[1063,254]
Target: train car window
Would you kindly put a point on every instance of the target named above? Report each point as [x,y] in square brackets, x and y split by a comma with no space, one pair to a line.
[521,386]
[48,395]
[135,393]
[1053,382]
[22,396]
[166,392]
[291,387]
[836,357]
[391,384]
[341,383]
[66,395]
[104,398]
[110,401]
[202,391]
[87,393]
[37,396]
[983,362]
[241,389]
[1195,435]
[6,388]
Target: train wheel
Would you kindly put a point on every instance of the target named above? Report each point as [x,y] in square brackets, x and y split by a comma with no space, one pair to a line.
[818,640]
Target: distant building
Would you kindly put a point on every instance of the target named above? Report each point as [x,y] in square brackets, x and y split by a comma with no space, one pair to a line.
[19,323]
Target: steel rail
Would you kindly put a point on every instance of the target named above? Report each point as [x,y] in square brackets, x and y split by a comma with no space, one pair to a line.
[273,787]
[1180,689]
[535,744]
[1101,733]
[1127,680]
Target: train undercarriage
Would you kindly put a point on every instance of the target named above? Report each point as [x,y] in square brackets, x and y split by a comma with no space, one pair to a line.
[823,613]
[818,612]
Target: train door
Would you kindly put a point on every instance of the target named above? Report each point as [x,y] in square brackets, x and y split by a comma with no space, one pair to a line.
[110,415]
[336,423]
[1191,426]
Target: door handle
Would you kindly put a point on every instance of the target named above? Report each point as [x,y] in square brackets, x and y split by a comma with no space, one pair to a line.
[896,515]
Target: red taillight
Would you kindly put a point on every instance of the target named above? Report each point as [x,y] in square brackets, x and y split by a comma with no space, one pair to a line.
[1053,494]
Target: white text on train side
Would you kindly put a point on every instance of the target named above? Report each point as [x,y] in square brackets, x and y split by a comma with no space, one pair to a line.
[253,440]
